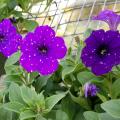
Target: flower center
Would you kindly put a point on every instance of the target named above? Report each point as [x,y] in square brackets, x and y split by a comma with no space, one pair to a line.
[2,37]
[43,49]
[102,50]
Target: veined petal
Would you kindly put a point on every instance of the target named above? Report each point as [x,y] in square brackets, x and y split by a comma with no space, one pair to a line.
[110,17]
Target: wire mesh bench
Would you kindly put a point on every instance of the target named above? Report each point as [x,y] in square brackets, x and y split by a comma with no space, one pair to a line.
[71,18]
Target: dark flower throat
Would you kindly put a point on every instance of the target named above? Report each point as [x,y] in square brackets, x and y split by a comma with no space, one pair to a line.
[43,49]
[2,37]
[102,50]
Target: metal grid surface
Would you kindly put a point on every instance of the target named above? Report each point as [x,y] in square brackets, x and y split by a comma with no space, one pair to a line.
[71,18]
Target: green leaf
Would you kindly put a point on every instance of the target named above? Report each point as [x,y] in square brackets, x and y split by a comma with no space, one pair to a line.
[87,76]
[41,100]
[69,107]
[105,116]
[67,70]
[24,4]
[69,52]
[53,100]
[90,115]
[17,14]
[27,114]
[78,67]
[12,59]
[14,107]
[5,114]
[12,78]
[112,107]
[13,70]
[2,5]
[30,24]
[60,115]
[31,98]
[28,95]
[81,101]
[15,94]
[79,116]
[103,98]
[33,75]
[39,117]
[11,4]
[84,77]
[36,1]
[116,89]
[41,82]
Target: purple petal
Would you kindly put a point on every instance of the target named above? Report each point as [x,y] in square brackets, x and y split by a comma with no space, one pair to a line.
[110,17]
[114,39]
[30,43]
[29,62]
[93,40]
[90,89]
[41,49]
[11,40]
[48,66]
[102,51]
[86,89]
[45,32]
[88,56]
[102,67]
[58,48]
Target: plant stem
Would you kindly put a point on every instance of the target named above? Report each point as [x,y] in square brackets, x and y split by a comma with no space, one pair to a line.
[28,78]
[110,84]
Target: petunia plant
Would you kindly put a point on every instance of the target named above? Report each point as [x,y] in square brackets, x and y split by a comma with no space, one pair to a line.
[46,80]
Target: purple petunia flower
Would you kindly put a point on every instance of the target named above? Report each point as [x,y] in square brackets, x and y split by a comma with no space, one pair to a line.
[41,51]
[9,38]
[102,51]
[90,90]
[110,17]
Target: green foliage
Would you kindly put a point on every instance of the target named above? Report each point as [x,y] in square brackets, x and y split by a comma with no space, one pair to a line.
[24,4]
[81,101]
[115,89]
[67,70]
[15,94]
[52,100]
[41,82]
[14,107]
[90,115]
[27,114]
[79,116]
[112,108]
[69,107]
[72,109]
[8,10]
[60,115]
[6,115]
[29,24]
[28,104]
[87,76]
[12,59]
